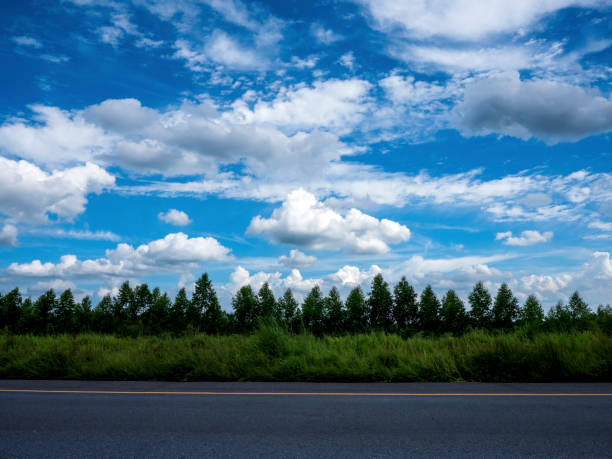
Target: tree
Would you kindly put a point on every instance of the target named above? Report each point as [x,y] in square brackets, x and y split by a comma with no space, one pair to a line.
[578,309]
[179,311]
[480,306]
[559,318]
[333,312]
[245,309]
[429,311]
[27,319]
[123,301]
[64,314]
[380,303]
[405,305]
[266,303]
[141,301]
[532,313]
[104,318]
[288,308]
[82,315]
[312,311]
[505,308]
[44,307]
[357,312]
[10,310]
[205,300]
[155,318]
[453,315]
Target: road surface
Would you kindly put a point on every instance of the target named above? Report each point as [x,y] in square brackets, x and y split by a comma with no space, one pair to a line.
[157,419]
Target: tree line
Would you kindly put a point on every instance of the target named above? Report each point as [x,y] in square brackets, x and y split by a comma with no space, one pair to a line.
[138,310]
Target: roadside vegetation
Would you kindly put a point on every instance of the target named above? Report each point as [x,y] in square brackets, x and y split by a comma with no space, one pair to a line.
[386,335]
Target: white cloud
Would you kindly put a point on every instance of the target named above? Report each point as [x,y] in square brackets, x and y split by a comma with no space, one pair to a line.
[352,276]
[549,110]
[307,63]
[599,225]
[544,283]
[56,138]
[24,40]
[348,60]
[55,58]
[176,252]
[29,194]
[121,26]
[461,20]
[526,238]
[84,235]
[174,217]
[8,235]
[323,35]
[339,104]
[297,259]
[305,222]
[462,58]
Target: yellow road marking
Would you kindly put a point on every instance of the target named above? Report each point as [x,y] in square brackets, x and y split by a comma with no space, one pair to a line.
[337,394]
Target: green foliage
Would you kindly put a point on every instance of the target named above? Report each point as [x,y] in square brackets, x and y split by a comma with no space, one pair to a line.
[405,306]
[578,309]
[271,354]
[505,308]
[603,318]
[312,312]
[156,319]
[64,313]
[44,307]
[288,309]
[10,310]
[452,314]
[178,313]
[357,312]
[429,311]
[140,311]
[245,309]
[266,303]
[205,301]
[380,304]
[532,313]
[333,312]
[480,307]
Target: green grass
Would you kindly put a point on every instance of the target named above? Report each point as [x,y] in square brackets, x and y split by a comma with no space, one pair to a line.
[272,355]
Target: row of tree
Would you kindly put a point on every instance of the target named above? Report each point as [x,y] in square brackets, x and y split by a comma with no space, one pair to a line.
[141,311]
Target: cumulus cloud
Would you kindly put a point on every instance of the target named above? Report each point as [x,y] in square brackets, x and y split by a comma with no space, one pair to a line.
[528,237]
[174,217]
[549,110]
[332,103]
[352,276]
[29,194]
[544,283]
[176,252]
[56,137]
[305,222]
[8,235]
[462,20]
[297,259]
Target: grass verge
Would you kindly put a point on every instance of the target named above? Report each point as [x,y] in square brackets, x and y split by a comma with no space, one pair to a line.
[271,354]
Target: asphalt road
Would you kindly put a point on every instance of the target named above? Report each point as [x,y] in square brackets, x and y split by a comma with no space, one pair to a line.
[148,419]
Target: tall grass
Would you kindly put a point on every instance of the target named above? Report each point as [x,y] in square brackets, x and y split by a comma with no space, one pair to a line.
[271,354]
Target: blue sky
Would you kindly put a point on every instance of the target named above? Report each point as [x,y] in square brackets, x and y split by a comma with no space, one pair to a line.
[305,143]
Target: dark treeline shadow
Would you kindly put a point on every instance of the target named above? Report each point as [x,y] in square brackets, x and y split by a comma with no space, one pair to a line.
[137,311]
